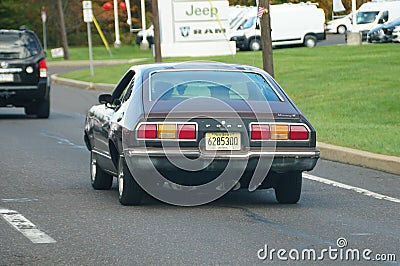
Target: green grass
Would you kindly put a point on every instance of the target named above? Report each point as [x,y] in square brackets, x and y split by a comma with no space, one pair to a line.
[350,94]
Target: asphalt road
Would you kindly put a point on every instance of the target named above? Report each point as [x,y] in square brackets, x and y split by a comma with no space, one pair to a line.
[45,193]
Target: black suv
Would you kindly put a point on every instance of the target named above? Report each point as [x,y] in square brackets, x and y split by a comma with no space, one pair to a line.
[24,80]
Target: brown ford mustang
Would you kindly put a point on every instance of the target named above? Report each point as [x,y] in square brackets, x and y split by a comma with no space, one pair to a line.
[187,133]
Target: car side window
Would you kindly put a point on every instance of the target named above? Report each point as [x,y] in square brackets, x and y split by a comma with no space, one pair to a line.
[384,18]
[123,85]
[128,91]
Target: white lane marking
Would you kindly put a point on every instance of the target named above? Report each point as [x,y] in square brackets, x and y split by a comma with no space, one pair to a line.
[356,189]
[19,200]
[26,227]
[62,140]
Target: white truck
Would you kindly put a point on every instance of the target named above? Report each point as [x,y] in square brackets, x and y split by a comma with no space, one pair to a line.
[371,14]
[291,24]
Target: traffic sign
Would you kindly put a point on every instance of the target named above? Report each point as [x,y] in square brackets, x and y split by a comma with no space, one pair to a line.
[87,11]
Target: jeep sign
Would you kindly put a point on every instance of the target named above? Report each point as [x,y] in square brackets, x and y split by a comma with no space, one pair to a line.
[200,11]
[195,28]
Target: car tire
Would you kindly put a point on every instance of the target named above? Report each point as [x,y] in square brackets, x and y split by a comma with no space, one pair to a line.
[288,189]
[129,191]
[43,108]
[255,45]
[310,41]
[100,180]
[341,29]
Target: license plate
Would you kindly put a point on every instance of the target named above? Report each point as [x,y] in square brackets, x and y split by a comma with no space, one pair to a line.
[6,78]
[225,141]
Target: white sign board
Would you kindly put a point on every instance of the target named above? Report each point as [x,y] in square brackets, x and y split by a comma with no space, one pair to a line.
[87,11]
[57,52]
[195,28]
[87,4]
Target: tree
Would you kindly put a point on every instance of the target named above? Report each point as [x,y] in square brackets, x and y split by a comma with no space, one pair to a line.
[64,40]
[268,62]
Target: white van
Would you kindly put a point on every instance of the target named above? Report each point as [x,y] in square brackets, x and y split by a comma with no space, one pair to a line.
[371,14]
[291,24]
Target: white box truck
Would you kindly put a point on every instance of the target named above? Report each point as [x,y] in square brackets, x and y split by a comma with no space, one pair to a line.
[291,24]
[372,14]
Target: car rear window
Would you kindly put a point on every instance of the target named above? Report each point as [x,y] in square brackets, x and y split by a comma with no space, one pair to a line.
[18,45]
[222,85]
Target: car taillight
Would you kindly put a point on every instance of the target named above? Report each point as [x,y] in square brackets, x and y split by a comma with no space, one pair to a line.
[298,132]
[166,131]
[278,132]
[171,131]
[187,131]
[147,131]
[259,131]
[43,68]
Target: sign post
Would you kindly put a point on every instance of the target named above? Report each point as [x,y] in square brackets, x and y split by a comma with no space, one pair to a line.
[44,18]
[87,17]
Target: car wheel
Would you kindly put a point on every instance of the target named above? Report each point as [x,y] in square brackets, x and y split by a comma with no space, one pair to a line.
[255,44]
[43,108]
[99,179]
[310,41]
[341,29]
[130,193]
[288,189]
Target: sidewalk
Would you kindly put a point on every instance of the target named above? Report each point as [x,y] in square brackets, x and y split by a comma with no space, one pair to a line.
[386,163]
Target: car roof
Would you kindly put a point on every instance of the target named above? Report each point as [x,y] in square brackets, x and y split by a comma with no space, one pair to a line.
[194,65]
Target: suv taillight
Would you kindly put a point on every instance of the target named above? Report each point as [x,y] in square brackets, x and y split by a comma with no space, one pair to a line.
[43,69]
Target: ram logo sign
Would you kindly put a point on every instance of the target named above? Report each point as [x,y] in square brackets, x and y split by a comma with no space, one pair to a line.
[185,31]
[202,31]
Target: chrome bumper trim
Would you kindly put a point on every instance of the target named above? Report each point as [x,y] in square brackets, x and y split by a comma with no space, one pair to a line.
[130,152]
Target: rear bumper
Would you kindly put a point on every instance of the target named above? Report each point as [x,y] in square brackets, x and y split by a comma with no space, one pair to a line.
[282,161]
[20,96]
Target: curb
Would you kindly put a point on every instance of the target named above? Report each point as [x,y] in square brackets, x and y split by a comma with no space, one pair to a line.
[81,84]
[386,163]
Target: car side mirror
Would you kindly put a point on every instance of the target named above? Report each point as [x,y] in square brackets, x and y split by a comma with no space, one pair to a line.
[105,98]
[117,102]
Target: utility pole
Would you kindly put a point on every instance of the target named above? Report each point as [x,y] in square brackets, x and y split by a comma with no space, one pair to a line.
[144,44]
[44,19]
[156,25]
[64,40]
[265,23]
[117,42]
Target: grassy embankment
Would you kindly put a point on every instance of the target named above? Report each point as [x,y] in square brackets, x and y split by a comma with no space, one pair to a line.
[350,94]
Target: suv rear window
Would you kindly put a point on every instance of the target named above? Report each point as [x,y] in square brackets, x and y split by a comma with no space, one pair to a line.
[18,45]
